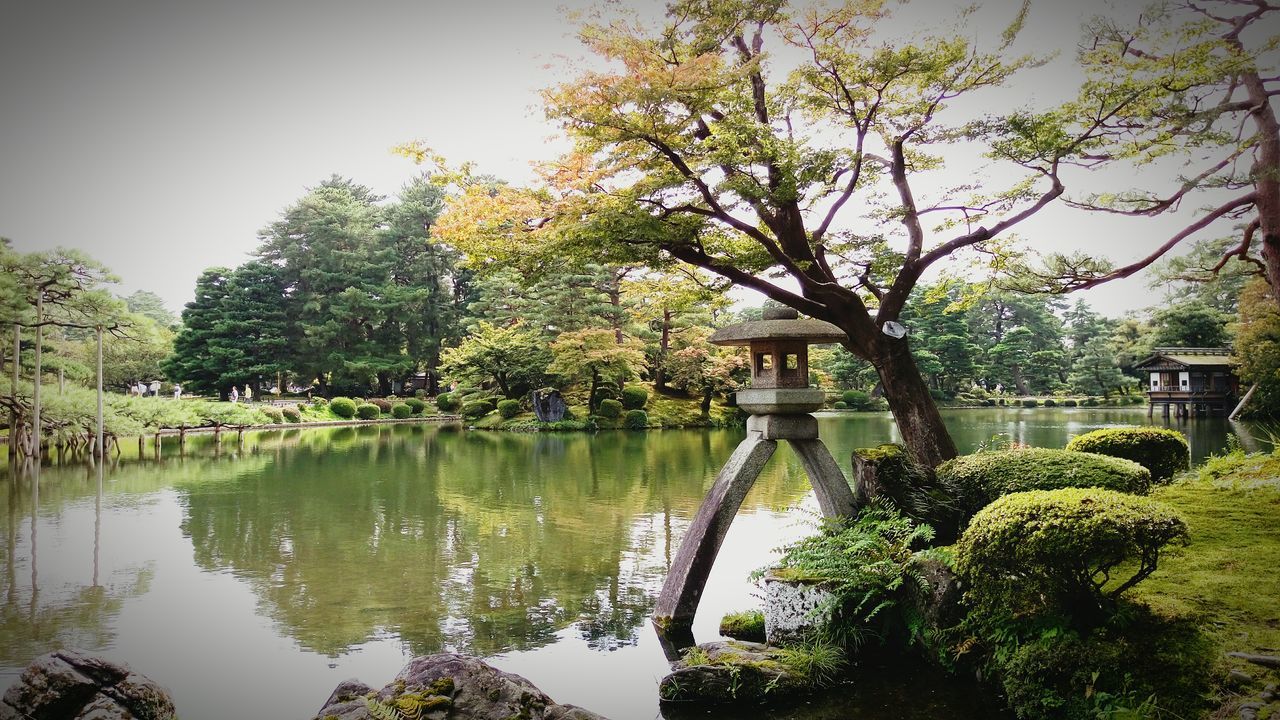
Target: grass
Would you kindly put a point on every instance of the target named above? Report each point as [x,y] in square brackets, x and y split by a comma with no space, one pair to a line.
[1229,577]
[663,411]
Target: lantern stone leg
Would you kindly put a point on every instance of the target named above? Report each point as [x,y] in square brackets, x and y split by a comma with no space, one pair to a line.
[683,587]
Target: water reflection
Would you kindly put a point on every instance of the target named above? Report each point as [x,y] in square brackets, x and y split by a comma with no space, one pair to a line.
[476,542]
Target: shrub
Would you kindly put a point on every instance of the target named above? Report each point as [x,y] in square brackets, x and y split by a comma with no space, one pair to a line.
[609,409]
[1069,403]
[872,567]
[420,393]
[982,477]
[840,405]
[367,411]
[273,413]
[477,408]
[634,398]
[747,625]
[1030,403]
[446,402]
[989,402]
[319,401]
[635,420]
[1089,402]
[401,411]
[1064,551]
[856,399]
[343,407]
[416,405]
[384,406]
[1120,670]
[509,408]
[1164,452]
[1050,402]
[291,413]
[937,394]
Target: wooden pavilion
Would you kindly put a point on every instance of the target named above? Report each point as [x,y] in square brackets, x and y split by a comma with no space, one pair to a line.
[1190,381]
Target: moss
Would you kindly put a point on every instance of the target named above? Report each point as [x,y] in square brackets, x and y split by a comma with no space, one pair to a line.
[980,478]
[1163,452]
[746,625]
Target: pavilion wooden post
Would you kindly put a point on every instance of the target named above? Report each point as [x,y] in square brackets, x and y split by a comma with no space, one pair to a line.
[780,402]
[35,380]
[13,392]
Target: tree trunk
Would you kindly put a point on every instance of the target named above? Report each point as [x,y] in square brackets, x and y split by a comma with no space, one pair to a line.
[706,401]
[384,384]
[591,397]
[923,432]
[1019,382]
[664,344]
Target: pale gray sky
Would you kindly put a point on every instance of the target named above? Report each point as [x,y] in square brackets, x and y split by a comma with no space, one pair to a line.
[160,135]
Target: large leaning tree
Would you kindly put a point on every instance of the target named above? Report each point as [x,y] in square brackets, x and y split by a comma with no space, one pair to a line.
[810,174]
[1192,85]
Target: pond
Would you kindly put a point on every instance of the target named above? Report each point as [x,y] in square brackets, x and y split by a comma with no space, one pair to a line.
[251,580]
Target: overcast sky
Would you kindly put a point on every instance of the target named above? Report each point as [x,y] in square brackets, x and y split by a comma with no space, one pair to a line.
[161,135]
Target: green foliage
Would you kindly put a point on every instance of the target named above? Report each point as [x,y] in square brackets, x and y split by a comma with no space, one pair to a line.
[476,408]
[609,409]
[401,411]
[917,493]
[1163,452]
[343,407]
[980,478]
[747,625]
[291,413]
[1050,402]
[1089,402]
[275,415]
[384,406]
[508,408]
[1257,347]
[872,566]
[634,398]
[635,420]
[368,411]
[513,357]
[840,405]
[856,399]
[1070,552]
[416,405]
[1069,403]
[446,402]
[1030,403]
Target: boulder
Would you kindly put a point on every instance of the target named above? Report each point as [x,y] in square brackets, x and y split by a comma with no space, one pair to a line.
[448,686]
[72,685]
[733,672]
[548,405]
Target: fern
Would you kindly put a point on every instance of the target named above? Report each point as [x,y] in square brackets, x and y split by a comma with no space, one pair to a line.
[379,710]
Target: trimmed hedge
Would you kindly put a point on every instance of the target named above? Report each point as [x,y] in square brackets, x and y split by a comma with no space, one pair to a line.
[1063,551]
[982,477]
[343,407]
[1164,452]
[1069,403]
[509,408]
[416,405]
[368,411]
[856,399]
[446,402]
[384,406]
[609,409]
[634,398]
[401,411]
[1030,403]
[1050,402]
[477,408]
[273,413]
[840,405]
[635,420]
[291,413]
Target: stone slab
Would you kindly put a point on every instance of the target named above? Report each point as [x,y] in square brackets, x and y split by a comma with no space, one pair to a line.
[784,427]
[781,401]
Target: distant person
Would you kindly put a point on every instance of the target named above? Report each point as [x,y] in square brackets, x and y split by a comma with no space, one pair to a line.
[140,389]
[235,394]
[177,391]
[155,388]
[248,393]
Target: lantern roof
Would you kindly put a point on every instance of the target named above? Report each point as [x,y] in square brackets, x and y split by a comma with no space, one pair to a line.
[778,324]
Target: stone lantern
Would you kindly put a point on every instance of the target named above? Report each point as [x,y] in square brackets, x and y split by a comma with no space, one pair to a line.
[779,402]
